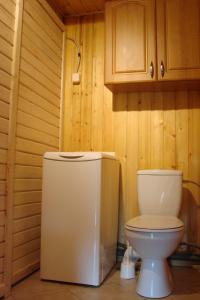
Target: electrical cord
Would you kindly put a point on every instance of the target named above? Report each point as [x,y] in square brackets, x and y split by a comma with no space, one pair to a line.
[78,52]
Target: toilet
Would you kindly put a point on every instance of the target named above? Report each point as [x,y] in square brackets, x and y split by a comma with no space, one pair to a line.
[156,233]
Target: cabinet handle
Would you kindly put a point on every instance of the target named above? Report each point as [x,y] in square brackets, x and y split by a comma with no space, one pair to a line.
[151,69]
[162,69]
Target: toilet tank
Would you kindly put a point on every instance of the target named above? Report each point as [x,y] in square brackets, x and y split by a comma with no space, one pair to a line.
[159,192]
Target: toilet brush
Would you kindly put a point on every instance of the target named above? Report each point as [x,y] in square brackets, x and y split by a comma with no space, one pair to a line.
[128,264]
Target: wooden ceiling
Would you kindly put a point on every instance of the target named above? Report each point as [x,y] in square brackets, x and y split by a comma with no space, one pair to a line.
[65,8]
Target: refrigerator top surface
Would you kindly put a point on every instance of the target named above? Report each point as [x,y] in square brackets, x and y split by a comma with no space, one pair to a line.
[78,156]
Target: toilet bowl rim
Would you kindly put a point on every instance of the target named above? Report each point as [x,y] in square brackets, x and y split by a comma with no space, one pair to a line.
[167,230]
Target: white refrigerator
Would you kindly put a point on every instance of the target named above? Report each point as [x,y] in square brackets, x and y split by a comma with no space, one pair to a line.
[79,216]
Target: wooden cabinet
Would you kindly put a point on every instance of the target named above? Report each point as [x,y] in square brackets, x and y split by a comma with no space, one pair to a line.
[130,41]
[148,40]
[178,39]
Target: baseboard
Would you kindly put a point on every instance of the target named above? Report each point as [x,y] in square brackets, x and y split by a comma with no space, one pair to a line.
[21,274]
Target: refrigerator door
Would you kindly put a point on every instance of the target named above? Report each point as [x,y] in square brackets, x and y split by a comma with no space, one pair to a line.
[70,230]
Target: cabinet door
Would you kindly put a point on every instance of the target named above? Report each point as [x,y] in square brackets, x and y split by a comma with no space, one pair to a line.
[178,39]
[130,41]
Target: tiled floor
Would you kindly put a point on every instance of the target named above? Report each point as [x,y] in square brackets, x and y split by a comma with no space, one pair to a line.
[187,287]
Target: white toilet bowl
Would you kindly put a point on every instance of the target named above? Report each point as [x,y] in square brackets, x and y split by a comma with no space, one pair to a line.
[154,238]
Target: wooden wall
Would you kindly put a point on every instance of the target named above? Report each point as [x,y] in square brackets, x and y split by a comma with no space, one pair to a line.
[7,28]
[145,129]
[37,128]
[31,63]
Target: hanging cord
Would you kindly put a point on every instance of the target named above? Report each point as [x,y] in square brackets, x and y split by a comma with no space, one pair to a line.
[78,52]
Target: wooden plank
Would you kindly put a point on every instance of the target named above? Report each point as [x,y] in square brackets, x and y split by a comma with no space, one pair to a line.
[3,141]
[98,82]
[2,218]
[86,82]
[7,18]
[26,236]
[28,184]
[182,132]
[2,188]
[144,130]
[35,86]
[62,93]
[32,97]
[28,172]
[52,14]
[37,136]
[27,197]
[28,159]
[25,249]
[6,33]
[4,125]
[120,134]
[26,210]
[6,47]
[38,52]
[4,108]
[41,67]
[33,147]
[1,265]
[24,262]
[3,156]
[27,120]
[2,202]
[26,223]
[27,68]
[169,131]
[157,131]
[71,140]
[44,21]
[38,112]
[2,233]
[5,63]
[5,79]
[25,271]
[9,6]
[194,145]
[131,208]
[4,94]
[11,150]
[2,249]
[2,171]
[42,34]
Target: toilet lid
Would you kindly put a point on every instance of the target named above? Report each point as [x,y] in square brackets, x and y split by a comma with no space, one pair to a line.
[154,223]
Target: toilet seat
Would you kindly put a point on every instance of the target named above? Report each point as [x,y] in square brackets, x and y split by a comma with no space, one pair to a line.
[152,223]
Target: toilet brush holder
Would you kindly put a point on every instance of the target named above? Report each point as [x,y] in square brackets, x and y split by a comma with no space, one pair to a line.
[127,270]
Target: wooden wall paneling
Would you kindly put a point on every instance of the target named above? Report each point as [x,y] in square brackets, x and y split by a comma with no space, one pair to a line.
[87,28]
[144,131]
[194,145]
[16,27]
[98,82]
[181,115]
[156,139]
[169,131]
[119,146]
[108,116]
[37,127]
[72,29]
[62,91]
[25,236]
[132,155]
[194,164]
